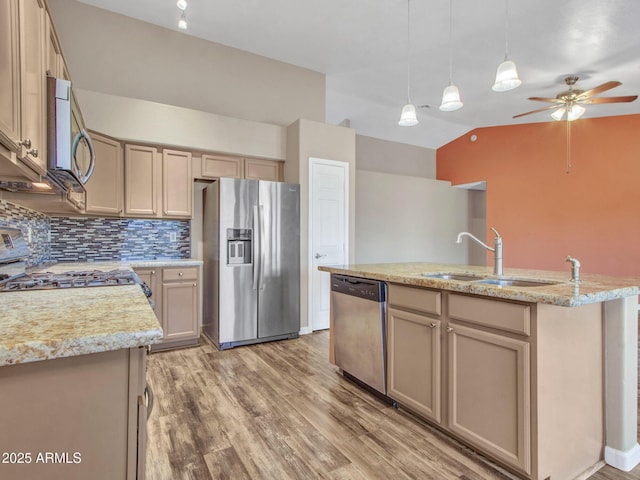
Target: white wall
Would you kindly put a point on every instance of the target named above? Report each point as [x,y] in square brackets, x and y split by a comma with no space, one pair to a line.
[378,155]
[408,219]
[110,53]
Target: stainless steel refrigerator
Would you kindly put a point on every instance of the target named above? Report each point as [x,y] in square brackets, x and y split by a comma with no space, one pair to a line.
[251,234]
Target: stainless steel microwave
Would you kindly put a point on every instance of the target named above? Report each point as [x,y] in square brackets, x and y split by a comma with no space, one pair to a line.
[71,157]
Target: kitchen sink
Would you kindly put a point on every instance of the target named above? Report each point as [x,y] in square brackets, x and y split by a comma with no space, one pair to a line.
[514,282]
[453,276]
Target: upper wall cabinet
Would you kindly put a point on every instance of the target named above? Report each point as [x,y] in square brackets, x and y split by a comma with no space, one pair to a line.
[22,83]
[157,185]
[215,166]
[105,189]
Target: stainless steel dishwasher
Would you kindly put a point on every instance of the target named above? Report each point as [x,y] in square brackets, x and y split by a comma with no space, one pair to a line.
[359,317]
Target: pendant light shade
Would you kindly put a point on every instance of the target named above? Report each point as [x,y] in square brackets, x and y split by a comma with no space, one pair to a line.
[506,77]
[507,73]
[408,118]
[451,99]
[573,112]
[182,23]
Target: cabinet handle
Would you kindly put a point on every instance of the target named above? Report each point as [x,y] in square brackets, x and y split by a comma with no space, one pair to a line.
[449,329]
[26,143]
[432,325]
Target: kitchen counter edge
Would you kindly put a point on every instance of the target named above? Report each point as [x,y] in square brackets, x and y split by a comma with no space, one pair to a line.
[593,289]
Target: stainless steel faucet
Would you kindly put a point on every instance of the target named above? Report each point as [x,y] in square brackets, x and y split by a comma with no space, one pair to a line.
[497,249]
[575,269]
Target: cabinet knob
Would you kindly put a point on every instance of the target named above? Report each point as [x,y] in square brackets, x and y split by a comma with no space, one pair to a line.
[33,153]
[449,329]
[26,143]
[153,272]
[166,212]
[433,325]
[179,274]
[195,284]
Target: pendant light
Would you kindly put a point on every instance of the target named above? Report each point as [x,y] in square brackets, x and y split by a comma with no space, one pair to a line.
[408,117]
[182,5]
[451,95]
[507,74]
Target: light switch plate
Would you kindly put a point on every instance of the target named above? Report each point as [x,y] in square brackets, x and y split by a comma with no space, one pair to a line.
[173,237]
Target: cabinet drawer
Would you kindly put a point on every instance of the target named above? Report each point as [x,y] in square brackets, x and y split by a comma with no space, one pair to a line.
[421,299]
[510,317]
[173,274]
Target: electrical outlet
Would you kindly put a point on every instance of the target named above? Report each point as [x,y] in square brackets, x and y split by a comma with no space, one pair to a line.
[173,237]
[29,235]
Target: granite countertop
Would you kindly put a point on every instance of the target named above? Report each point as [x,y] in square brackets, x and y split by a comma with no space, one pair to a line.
[118,264]
[46,324]
[593,289]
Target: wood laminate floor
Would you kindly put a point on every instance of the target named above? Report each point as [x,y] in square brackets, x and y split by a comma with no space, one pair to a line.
[280,411]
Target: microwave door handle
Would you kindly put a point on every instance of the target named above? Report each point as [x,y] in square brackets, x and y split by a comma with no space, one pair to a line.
[92,156]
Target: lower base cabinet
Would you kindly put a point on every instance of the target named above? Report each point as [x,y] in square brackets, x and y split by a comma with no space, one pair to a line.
[176,299]
[75,418]
[521,383]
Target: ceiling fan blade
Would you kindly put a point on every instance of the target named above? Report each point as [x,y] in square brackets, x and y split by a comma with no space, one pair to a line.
[629,98]
[550,107]
[599,89]
[544,99]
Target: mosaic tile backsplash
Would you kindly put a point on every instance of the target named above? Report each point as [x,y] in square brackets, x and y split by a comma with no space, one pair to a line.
[82,239]
[15,216]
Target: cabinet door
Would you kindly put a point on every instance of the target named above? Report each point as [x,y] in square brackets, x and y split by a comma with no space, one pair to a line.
[105,186]
[215,166]
[180,311]
[53,55]
[177,184]
[32,81]
[414,362]
[9,75]
[141,181]
[259,169]
[151,277]
[489,393]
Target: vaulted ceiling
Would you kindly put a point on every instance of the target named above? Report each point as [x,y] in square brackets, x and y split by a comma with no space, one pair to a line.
[361,47]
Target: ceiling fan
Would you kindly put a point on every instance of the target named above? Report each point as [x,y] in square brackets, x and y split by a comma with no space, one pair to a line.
[571,101]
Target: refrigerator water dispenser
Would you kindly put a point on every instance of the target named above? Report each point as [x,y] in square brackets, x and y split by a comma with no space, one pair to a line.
[238,246]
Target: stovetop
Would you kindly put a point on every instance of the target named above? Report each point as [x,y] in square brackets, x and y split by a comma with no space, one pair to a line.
[72,279]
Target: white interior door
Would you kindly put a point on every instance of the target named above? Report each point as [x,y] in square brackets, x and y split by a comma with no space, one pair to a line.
[328,231]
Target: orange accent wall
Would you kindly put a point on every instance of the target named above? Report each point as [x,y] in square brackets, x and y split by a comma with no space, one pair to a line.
[544,213]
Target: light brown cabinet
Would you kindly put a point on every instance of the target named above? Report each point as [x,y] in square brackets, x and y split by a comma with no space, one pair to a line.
[176,298]
[519,382]
[23,85]
[157,185]
[217,165]
[89,409]
[105,187]
[33,111]
[414,370]
[177,184]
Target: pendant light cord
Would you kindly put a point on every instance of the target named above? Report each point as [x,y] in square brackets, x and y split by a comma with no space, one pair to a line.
[506,29]
[450,42]
[408,50]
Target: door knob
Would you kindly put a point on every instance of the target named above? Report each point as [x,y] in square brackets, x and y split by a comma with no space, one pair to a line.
[317,256]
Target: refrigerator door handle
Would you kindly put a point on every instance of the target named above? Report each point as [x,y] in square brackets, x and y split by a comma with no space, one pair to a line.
[256,246]
[262,243]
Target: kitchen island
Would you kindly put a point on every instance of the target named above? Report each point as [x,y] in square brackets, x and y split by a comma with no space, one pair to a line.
[509,369]
[72,376]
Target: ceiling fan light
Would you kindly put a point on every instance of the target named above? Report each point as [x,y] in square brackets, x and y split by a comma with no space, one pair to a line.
[408,118]
[181,4]
[506,77]
[558,114]
[575,112]
[451,99]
